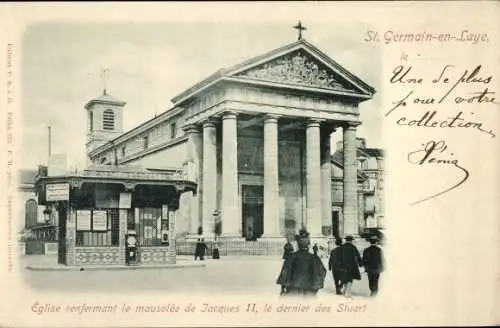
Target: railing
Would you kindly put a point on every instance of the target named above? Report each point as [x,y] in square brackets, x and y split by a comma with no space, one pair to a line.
[234,247]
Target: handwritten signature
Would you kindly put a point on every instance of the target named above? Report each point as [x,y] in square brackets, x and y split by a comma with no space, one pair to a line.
[430,154]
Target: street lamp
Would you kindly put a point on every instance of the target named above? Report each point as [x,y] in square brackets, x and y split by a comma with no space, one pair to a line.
[46,214]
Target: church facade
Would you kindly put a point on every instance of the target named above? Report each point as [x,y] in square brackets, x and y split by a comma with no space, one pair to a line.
[256,139]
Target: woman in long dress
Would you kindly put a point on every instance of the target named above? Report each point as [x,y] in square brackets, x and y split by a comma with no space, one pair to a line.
[282,278]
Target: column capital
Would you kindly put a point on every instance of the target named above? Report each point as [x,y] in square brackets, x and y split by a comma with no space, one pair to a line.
[350,125]
[229,115]
[192,128]
[271,118]
[209,123]
[313,123]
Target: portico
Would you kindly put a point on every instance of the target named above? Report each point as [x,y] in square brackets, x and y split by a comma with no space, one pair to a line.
[260,137]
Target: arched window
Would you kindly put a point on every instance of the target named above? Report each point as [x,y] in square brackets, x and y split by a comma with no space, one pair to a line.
[31,212]
[91,123]
[108,120]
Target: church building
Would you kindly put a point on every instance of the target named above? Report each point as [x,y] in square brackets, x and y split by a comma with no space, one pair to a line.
[255,138]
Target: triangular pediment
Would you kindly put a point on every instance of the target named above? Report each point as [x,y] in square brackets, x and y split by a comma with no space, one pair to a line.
[300,68]
[299,64]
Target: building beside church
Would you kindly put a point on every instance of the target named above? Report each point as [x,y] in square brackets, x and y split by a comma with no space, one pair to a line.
[38,230]
[255,138]
[370,187]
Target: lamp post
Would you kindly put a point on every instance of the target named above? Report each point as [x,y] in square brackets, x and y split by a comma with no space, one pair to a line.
[47,214]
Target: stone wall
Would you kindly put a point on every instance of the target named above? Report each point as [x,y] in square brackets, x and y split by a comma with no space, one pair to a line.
[153,255]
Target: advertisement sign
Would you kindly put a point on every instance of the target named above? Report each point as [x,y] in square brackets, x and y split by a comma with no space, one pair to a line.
[57,191]
[125,200]
[100,221]
[164,215]
[83,220]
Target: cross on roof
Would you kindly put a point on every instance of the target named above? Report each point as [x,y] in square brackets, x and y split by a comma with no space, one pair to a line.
[300,28]
[104,77]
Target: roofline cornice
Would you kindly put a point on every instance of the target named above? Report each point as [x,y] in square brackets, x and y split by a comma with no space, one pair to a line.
[104,102]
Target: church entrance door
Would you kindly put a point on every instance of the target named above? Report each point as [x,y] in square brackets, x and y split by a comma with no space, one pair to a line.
[335,223]
[252,211]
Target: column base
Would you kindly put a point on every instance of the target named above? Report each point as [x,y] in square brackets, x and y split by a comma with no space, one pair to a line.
[353,235]
[192,237]
[230,236]
[272,236]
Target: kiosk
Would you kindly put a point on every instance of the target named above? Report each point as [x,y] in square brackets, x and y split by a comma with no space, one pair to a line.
[114,215]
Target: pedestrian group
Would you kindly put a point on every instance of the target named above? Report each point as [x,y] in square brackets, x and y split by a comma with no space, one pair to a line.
[303,273]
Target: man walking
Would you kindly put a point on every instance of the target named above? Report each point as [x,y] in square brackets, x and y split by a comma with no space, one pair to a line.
[350,262]
[200,249]
[302,273]
[374,264]
[335,265]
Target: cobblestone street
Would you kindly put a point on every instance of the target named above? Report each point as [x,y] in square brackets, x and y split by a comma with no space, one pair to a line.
[228,275]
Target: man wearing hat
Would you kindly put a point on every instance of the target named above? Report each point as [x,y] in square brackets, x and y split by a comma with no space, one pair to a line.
[350,262]
[373,263]
[335,265]
[302,273]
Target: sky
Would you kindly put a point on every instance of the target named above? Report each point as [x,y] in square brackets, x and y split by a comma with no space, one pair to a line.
[149,64]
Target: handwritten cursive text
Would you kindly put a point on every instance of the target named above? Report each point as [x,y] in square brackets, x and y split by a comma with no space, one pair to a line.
[434,153]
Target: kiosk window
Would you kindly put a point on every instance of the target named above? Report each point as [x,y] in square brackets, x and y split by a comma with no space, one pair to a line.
[150,226]
[97,227]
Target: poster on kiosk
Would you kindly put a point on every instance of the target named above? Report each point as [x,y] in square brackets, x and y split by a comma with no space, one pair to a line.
[164,225]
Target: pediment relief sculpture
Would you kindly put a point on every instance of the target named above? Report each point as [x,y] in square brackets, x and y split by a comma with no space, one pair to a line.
[296,68]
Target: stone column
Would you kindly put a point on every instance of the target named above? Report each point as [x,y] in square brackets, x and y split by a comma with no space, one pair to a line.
[350,180]
[313,173]
[195,154]
[326,178]
[271,178]
[230,205]
[361,210]
[209,177]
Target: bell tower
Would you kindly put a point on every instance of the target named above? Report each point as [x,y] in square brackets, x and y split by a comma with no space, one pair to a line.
[104,120]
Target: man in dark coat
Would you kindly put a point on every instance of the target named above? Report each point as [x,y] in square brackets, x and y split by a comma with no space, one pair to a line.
[301,273]
[350,262]
[335,265]
[200,249]
[374,264]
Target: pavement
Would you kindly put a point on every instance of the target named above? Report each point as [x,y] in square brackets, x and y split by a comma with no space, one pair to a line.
[230,274]
[49,263]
